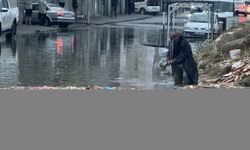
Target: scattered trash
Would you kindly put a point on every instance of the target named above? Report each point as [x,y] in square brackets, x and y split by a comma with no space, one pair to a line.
[224,63]
[162,63]
[109,88]
[235,54]
[238,65]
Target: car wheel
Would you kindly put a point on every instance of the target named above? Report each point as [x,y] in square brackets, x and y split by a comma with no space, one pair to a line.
[142,11]
[47,22]
[13,28]
[0,30]
[12,33]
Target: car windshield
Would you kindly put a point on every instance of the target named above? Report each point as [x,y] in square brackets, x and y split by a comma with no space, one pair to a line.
[198,18]
[53,5]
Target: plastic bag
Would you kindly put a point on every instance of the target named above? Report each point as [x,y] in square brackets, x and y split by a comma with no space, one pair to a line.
[163,64]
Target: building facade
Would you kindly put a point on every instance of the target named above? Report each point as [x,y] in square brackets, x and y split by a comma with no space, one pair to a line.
[94,8]
[87,8]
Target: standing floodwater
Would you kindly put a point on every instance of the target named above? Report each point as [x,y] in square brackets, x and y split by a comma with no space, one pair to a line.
[103,56]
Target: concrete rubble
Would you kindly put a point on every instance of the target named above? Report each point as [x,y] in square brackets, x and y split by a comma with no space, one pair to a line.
[238,73]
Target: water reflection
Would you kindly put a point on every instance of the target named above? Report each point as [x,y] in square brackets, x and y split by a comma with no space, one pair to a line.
[8,64]
[92,56]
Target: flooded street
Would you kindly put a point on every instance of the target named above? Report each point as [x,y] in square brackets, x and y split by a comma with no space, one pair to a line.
[103,56]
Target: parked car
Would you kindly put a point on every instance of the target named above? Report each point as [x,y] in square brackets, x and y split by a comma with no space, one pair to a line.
[240,8]
[8,18]
[56,15]
[146,6]
[198,25]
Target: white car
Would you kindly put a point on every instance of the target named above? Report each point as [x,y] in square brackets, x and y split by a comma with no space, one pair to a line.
[198,25]
[147,6]
[8,18]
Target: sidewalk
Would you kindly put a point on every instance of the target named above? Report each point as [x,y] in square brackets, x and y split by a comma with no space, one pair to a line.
[108,20]
[102,20]
[157,21]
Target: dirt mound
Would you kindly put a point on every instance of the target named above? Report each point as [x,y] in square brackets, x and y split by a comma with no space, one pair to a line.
[235,39]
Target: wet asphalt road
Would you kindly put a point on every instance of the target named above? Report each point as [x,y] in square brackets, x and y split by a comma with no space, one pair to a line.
[103,56]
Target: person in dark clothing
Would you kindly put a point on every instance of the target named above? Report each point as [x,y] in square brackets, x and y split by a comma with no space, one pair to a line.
[61,3]
[114,4]
[181,60]
[74,6]
[131,6]
[42,11]
[28,11]
[103,7]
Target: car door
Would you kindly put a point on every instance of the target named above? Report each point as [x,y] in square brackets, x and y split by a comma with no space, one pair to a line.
[6,16]
[139,4]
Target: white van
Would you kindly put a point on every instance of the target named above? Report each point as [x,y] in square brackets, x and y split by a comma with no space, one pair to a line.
[8,18]
[147,6]
[223,8]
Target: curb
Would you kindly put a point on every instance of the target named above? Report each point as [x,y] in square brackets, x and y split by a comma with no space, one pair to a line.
[111,22]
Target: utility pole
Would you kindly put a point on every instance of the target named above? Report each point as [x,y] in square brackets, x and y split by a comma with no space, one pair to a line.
[88,15]
[212,21]
[163,22]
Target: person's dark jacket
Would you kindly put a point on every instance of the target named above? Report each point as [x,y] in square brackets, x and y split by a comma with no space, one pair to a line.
[182,51]
[114,3]
[131,5]
[74,4]
[61,3]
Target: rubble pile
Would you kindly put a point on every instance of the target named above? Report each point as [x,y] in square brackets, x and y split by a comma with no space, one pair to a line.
[239,74]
